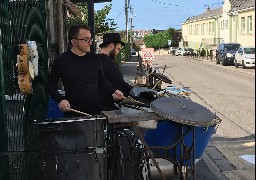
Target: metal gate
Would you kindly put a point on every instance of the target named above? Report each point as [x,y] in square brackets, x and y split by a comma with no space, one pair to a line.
[21,20]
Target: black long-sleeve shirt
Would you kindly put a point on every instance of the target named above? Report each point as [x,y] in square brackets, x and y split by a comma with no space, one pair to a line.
[82,77]
[116,79]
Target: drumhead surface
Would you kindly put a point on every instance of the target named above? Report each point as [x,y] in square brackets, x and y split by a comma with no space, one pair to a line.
[183,111]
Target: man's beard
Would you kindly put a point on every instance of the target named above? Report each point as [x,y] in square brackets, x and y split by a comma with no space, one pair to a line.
[112,54]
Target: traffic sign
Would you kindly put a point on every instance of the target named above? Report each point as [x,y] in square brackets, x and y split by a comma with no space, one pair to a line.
[147,54]
[169,42]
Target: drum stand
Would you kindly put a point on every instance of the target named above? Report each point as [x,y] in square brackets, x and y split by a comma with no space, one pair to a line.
[188,154]
[116,166]
[185,159]
[126,156]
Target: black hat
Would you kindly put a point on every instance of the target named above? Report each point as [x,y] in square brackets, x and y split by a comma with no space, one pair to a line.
[111,38]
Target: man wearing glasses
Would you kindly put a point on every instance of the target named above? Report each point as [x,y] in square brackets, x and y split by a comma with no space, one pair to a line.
[110,48]
[81,73]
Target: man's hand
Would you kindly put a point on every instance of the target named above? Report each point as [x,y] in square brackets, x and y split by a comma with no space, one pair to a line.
[118,95]
[64,105]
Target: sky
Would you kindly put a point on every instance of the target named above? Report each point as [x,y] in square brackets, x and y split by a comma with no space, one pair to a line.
[157,14]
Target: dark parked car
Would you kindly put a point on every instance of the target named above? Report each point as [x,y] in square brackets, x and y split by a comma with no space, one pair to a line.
[225,53]
[133,52]
[190,52]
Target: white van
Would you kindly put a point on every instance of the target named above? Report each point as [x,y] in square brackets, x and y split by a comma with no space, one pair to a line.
[245,56]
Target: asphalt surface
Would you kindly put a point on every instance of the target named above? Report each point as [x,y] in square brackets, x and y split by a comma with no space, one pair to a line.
[217,162]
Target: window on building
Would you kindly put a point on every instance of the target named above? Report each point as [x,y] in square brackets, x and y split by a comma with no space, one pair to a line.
[203,28]
[227,26]
[222,25]
[242,24]
[210,28]
[213,28]
[249,24]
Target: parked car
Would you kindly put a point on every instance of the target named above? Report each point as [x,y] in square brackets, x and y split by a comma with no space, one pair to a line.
[133,52]
[190,52]
[172,50]
[181,52]
[245,56]
[225,53]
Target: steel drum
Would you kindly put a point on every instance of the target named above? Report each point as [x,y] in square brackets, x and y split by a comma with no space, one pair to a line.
[73,149]
[143,94]
[174,90]
[162,77]
[182,116]
[129,157]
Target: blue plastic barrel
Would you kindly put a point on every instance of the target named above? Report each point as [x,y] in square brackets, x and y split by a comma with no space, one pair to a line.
[167,132]
[53,111]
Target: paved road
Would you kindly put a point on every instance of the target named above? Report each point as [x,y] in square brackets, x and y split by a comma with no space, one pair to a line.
[229,92]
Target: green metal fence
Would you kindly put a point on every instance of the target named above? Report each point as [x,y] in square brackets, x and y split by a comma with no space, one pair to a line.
[21,20]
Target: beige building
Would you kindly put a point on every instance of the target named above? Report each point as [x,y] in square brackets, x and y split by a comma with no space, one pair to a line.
[233,22]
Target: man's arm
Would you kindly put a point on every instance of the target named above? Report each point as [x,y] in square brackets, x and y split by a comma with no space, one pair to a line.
[116,78]
[53,80]
[105,85]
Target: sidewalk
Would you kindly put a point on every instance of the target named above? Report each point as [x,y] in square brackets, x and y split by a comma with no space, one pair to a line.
[218,161]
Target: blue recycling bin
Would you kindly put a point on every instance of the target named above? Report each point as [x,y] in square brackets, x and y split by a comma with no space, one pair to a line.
[53,111]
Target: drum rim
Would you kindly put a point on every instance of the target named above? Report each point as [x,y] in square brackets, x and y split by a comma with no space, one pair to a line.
[70,120]
[216,120]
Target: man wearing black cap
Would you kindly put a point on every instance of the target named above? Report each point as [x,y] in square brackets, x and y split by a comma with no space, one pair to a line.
[110,48]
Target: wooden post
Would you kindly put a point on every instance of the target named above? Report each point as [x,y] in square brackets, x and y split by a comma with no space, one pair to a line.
[91,23]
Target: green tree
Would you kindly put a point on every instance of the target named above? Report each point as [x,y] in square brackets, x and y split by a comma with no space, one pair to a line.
[149,41]
[102,23]
[158,40]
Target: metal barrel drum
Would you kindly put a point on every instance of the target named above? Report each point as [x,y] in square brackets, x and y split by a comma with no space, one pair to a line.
[73,149]
[129,156]
[183,116]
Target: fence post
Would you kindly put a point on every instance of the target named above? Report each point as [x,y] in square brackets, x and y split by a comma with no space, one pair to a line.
[4,161]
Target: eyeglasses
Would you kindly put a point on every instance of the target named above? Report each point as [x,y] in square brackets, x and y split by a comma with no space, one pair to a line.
[86,39]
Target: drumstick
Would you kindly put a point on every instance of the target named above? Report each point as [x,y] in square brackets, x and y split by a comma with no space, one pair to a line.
[156,84]
[164,69]
[131,101]
[79,112]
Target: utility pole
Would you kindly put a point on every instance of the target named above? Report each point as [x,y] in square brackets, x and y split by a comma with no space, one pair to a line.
[131,40]
[126,19]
